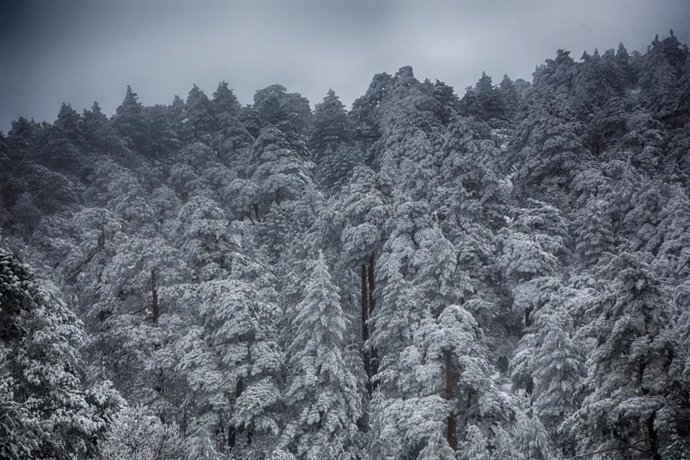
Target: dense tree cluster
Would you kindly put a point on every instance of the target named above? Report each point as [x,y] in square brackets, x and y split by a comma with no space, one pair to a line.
[502,275]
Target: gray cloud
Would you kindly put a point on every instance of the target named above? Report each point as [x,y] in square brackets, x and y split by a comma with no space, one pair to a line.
[80,51]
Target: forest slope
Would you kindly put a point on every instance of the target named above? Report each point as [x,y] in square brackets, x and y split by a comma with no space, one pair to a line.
[504,275]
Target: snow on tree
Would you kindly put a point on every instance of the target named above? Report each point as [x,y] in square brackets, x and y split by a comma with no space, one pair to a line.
[224,101]
[61,142]
[279,167]
[136,434]
[484,101]
[47,407]
[241,327]
[660,71]
[534,232]
[99,132]
[199,115]
[130,122]
[672,259]
[550,364]
[365,110]
[321,392]
[205,242]
[275,106]
[628,405]
[415,271]
[331,125]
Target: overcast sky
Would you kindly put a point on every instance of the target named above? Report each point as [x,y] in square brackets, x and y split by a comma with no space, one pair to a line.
[81,51]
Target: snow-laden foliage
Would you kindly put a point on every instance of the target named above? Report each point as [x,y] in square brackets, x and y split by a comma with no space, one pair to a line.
[501,274]
[48,409]
[136,434]
[321,395]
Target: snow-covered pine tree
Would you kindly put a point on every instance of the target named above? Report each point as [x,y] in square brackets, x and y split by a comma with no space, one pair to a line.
[48,408]
[629,408]
[322,399]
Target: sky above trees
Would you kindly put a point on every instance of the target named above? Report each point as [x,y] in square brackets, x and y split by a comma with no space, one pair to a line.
[77,51]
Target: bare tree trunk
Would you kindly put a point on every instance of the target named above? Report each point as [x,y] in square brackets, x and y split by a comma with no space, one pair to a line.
[448,394]
[256,212]
[155,308]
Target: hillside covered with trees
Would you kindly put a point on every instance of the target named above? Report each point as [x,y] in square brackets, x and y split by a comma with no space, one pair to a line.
[498,274]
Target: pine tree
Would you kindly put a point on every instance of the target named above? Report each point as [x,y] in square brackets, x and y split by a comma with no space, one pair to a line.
[483,101]
[47,409]
[129,121]
[289,111]
[331,125]
[136,434]
[225,102]
[474,396]
[279,167]
[241,327]
[628,406]
[659,76]
[331,143]
[337,166]
[231,136]
[447,102]
[322,394]
[199,119]
[509,97]
[595,233]
[558,369]
[99,132]
[61,143]
[205,243]
[365,110]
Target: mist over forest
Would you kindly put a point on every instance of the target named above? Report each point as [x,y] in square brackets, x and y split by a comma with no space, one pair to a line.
[501,272]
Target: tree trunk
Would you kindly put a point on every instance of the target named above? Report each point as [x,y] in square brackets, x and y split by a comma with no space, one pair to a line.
[373,358]
[155,308]
[372,284]
[448,394]
[101,239]
[365,327]
[256,212]
[364,303]
[100,245]
[528,317]
[653,438]
[232,431]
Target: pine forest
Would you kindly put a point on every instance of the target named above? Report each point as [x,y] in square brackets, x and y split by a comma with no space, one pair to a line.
[497,273]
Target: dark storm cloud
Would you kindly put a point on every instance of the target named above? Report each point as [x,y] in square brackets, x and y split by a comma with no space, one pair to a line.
[78,52]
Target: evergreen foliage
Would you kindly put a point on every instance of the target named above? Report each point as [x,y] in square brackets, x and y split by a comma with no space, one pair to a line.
[499,276]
